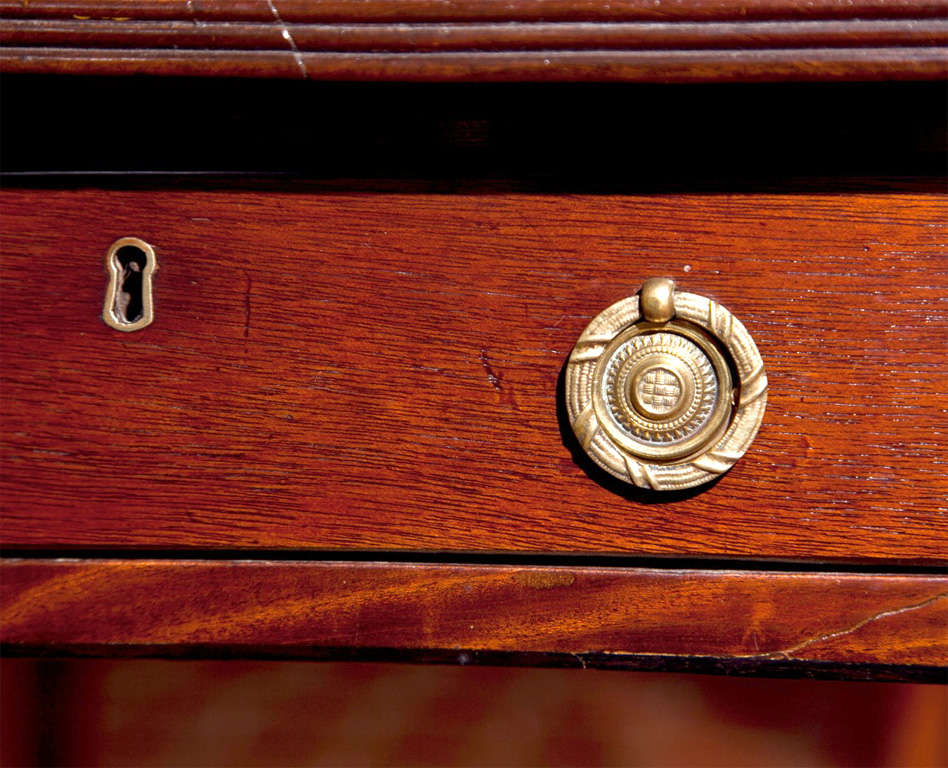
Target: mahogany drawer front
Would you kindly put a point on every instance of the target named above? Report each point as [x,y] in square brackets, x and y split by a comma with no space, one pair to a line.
[379,371]
[877,626]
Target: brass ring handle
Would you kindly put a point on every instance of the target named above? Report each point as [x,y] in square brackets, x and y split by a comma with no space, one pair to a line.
[665,389]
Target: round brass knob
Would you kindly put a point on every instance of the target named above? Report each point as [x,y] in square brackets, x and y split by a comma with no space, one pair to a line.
[665,389]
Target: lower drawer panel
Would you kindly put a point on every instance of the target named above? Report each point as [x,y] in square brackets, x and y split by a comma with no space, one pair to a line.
[838,624]
[372,371]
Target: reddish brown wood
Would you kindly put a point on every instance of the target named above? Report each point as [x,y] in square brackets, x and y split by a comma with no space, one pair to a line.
[907,63]
[101,607]
[466,10]
[256,36]
[380,371]
[429,40]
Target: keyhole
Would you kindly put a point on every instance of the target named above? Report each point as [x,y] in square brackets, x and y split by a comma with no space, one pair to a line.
[128,302]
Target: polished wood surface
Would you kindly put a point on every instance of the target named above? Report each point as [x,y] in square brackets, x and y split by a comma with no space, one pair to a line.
[748,621]
[549,36]
[430,40]
[626,66]
[367,371]
[468,10]
[366,295]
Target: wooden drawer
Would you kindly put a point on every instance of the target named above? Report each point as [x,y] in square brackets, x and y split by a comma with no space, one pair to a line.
[380,371]
[343,435]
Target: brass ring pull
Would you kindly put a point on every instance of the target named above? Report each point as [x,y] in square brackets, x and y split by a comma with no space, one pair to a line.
[665,389]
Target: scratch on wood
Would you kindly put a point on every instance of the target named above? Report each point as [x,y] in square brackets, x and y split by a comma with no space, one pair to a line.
[285,32]
[788,652]
[492,377]
[247,304]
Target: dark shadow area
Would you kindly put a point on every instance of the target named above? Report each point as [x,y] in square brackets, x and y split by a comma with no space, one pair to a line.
[773,667]
[590,559]
[473,137]
[132,262]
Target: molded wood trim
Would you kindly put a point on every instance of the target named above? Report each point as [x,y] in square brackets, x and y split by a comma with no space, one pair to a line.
[435,11]
[632,41]
[841,624]
[799,65]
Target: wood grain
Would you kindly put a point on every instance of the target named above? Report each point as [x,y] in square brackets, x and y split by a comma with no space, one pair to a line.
[598,616]
[372,371]
[849,64]
[258,36]
[350,40]
[303,11]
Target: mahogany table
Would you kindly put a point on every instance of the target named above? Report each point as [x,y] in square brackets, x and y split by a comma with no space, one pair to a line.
[379,228]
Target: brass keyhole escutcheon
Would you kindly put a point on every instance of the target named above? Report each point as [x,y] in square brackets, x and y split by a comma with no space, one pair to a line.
[665,389]
[130,264]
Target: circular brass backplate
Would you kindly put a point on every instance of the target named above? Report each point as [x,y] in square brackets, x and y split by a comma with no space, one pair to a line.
[665,389]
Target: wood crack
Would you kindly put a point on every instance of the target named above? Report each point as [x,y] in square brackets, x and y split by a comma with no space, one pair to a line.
[789,652]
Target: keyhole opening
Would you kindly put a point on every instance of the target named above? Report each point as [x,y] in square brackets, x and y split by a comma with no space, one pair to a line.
[130,263]
[128,301]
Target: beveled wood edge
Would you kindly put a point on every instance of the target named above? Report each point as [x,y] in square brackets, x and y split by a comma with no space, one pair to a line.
[107,34]
[640,66]
[283,181]
[803,624]
[439,11]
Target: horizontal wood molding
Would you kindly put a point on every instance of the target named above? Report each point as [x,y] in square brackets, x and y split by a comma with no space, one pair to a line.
[909,63]
[376,371]
[727,620]
[440,11]
[418,38]
[639,41]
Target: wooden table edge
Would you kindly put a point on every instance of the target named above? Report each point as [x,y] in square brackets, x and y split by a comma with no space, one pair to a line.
[800,624]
